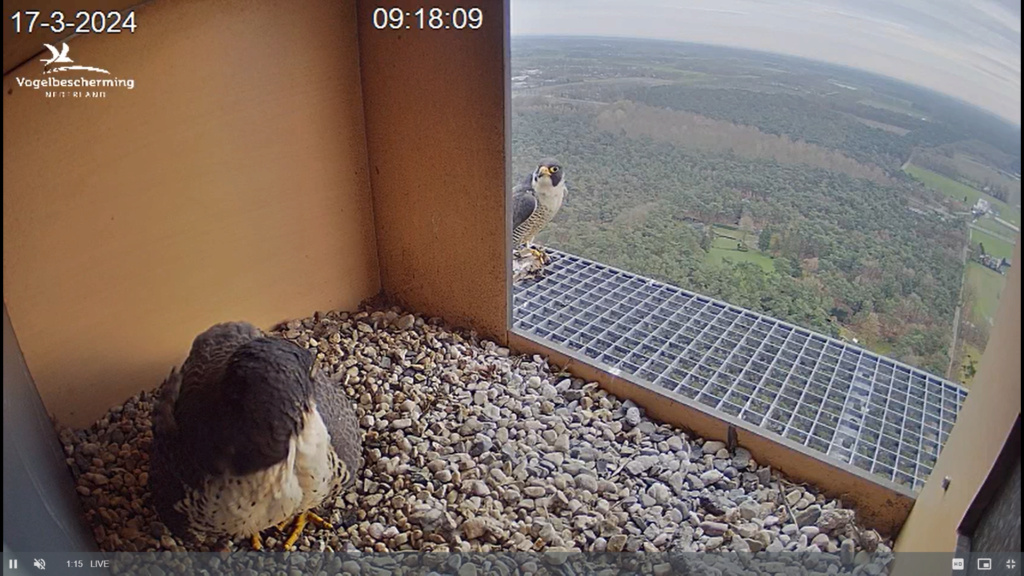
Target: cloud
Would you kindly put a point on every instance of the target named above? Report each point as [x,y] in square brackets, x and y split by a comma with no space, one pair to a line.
[968,49]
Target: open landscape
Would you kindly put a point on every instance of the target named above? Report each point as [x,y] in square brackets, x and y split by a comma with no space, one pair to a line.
[962,193]
[828,197]
[995,244]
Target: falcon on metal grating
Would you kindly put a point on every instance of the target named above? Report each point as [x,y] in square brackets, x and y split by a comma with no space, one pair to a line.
[535,201]
[249,435]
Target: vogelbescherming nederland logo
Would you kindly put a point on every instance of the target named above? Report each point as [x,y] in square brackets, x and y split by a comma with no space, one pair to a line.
[59,63]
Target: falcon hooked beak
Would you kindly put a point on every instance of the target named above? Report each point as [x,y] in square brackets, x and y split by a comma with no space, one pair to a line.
[549,172]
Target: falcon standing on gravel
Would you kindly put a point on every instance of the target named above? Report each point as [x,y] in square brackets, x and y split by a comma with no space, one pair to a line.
[535,202]
[249,436]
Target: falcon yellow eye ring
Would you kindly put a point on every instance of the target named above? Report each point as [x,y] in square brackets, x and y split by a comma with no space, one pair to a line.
[553,169]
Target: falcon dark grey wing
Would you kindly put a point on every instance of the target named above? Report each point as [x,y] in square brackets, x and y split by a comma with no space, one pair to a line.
[247,437]
[342,424]
[524,204]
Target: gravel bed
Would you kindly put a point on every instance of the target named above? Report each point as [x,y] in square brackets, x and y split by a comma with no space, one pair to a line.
[471,449]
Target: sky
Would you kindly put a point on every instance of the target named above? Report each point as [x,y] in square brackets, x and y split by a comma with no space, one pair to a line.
[968,49]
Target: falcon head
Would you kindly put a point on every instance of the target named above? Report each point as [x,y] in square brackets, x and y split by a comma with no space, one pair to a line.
[269,368]
[266,391]
[549,172]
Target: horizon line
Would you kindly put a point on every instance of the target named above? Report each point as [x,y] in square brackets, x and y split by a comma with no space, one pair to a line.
[1009,121]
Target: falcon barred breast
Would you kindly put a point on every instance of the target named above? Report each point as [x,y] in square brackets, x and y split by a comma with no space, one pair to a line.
[249,435]
[535,201]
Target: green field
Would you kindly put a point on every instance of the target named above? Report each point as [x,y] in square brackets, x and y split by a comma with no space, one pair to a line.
[991,225]
[986,285]
[725,248]
[958,191]
[994,246]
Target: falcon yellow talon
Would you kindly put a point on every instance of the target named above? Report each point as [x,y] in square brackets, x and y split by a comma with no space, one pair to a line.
[300,524]
[315,519]
[257,542]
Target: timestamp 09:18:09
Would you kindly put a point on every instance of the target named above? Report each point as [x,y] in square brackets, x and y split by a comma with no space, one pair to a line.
[428,19]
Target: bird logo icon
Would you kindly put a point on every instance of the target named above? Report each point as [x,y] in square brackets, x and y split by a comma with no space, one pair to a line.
[61,57]
[57,57]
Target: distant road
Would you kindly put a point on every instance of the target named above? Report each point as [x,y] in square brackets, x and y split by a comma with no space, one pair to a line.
[1007,224]
[956,316]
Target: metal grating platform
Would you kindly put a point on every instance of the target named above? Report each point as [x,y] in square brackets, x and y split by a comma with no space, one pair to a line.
[858,407]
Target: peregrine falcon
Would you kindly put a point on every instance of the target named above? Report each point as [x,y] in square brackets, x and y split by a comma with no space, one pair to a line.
[535,202]
[249,435]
